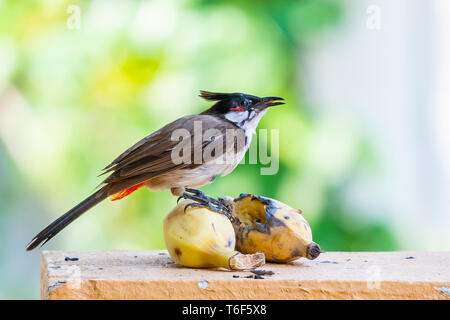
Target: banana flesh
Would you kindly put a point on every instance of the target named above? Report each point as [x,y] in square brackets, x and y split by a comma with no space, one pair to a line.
[200,238]
[270,226]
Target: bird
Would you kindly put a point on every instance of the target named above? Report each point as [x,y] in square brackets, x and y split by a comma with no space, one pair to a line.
[160,162]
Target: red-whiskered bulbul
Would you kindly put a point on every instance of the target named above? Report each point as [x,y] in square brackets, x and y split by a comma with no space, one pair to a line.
[150,162]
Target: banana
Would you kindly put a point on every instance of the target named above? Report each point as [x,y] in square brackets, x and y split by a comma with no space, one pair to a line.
[270,226]
[200,238]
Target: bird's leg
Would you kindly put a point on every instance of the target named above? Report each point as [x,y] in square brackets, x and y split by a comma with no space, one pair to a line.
[203,201]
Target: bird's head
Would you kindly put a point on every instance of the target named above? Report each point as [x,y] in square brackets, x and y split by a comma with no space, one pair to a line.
[239,108]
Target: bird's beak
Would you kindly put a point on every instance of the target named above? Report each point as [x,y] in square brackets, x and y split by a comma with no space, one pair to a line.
[269,102]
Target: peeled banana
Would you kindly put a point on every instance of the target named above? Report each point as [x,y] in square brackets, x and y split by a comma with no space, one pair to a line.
[201,238]
[270,226]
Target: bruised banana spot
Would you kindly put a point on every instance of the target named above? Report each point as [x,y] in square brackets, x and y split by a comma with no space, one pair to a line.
[306,225]
[297,252]
[230,242]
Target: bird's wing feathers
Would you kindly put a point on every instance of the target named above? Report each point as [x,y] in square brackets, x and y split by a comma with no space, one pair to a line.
[152,155]
[153,144]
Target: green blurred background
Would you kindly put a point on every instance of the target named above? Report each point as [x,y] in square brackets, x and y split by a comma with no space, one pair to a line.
[72,99]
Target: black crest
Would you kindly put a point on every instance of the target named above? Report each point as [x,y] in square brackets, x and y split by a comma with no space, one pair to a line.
[215,96]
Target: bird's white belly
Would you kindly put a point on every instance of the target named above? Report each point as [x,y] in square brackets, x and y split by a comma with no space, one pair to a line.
[182,178]
[194,177]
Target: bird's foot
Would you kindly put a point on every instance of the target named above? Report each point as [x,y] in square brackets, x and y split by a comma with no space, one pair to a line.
[220,205]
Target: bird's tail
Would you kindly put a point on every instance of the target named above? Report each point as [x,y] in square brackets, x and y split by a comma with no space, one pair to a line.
[63,221]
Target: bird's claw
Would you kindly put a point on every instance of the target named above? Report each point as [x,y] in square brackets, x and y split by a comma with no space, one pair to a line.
[196,192]
[203,201]
[193,205]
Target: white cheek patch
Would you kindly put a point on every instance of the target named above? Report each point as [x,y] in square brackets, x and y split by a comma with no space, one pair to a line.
[250,126]
[236,116]
[247,122]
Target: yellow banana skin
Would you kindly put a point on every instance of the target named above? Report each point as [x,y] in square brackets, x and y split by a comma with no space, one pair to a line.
[270,226]
[200,238]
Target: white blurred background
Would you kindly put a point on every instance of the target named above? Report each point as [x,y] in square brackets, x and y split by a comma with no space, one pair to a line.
[393,82]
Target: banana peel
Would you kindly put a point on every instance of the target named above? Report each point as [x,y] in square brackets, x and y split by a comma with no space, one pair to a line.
[266,225]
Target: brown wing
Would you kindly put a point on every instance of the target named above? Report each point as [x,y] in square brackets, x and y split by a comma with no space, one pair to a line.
[152,155]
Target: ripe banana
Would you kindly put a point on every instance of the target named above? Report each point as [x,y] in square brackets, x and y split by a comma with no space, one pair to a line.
[270,226]
[200,238]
